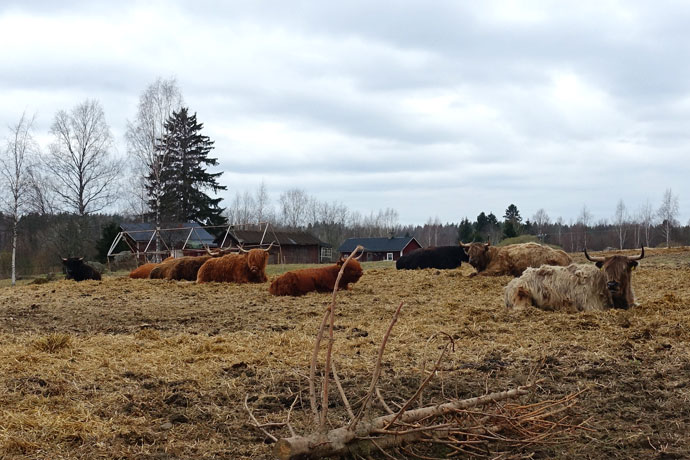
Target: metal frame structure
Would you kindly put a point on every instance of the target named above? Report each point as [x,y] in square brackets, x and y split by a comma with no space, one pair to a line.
[192,231]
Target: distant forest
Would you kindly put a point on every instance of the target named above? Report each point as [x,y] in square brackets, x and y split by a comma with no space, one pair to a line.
[44,238]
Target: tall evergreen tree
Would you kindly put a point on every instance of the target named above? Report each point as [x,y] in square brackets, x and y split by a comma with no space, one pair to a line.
[185,152]
[512,222]
[465,231]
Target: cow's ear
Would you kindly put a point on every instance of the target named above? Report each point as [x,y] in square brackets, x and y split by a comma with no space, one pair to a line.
[632,264]
[599,264]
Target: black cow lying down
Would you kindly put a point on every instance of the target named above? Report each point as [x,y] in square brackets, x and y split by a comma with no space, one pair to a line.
[77,270]
[441,257]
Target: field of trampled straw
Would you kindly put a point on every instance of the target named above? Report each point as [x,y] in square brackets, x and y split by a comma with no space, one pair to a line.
[149,369]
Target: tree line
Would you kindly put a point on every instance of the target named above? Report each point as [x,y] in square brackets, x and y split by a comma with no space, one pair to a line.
[53,200]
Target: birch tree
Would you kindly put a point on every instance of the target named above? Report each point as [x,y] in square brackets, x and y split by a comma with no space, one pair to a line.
[158,101]
[668,212]
[620,220]
[541,221]
[294,205]
[584,220]
[14,166]
[80,159]
[646,216]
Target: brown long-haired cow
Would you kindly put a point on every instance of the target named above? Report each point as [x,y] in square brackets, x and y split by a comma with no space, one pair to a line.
[577,287]
[248,267]
[512,259]
[300,282]
[143,271]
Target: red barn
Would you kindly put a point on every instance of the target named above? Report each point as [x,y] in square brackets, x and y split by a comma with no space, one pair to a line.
[375,249]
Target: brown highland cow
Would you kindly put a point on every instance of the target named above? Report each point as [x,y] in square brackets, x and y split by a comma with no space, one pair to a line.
[512,259]
[248,267]
[144,271]
[300,282]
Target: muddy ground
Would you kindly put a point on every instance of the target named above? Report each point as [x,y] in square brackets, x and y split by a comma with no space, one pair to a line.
[149,369]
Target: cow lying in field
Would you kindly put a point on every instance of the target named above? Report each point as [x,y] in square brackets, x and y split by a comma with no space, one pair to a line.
[512,259]
[441,257]
[247,267]
[577,287]
[300,282]
[144,271]
[77,270]
[162,270]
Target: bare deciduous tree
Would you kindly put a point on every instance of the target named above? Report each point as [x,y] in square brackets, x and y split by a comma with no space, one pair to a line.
[262,209]
[42,199]
[294,207]
[156,104]
[583,220]
[667,212]
[85,173]
[14,169]
[647,221]
[541,221]
[620,220]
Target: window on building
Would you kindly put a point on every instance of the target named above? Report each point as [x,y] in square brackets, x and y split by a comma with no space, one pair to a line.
[326,253]
[389,256]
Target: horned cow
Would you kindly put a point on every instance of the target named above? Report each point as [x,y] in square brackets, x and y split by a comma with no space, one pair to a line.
[322,279]
[577,287]
[247,267]
[441,257]
[512,259]
[77,270]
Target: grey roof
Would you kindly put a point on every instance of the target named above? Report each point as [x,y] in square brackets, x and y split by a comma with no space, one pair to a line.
[397,243]
[252,237]
[142,232]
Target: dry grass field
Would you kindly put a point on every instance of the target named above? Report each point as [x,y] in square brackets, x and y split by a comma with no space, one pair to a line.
[149,369]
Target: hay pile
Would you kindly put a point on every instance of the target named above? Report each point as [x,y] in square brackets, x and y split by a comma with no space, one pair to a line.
[153,369]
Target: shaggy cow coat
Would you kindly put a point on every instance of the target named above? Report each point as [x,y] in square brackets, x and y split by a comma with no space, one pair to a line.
[162,270]
[441,257]
[577,287]
[77,270]
[186,268]
[248,267]
[300,282]
[513,259]
[144,271]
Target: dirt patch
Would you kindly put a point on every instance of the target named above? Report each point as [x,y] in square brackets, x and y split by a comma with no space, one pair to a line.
[153,369]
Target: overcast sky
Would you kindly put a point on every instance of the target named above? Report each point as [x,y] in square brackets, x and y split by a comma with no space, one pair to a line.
[436,109]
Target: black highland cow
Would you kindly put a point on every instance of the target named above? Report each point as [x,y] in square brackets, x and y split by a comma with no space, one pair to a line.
[77,270]
[441,257]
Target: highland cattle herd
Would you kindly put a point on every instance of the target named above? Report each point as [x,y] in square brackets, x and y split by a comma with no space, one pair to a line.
[545,278]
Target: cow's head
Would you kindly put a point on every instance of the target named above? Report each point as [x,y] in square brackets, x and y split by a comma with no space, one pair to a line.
[478,254]
[352,272]
[73,266]
[618,272]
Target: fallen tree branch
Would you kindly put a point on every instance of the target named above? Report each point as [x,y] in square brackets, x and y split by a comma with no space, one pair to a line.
[343,440]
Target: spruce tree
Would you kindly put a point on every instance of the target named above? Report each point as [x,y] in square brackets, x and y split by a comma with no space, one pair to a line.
[185,151]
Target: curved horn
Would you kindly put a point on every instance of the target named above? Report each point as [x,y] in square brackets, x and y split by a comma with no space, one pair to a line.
[242,249]
[594,259]
[269,247]
[637,257]
[465,245]
[359,248]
